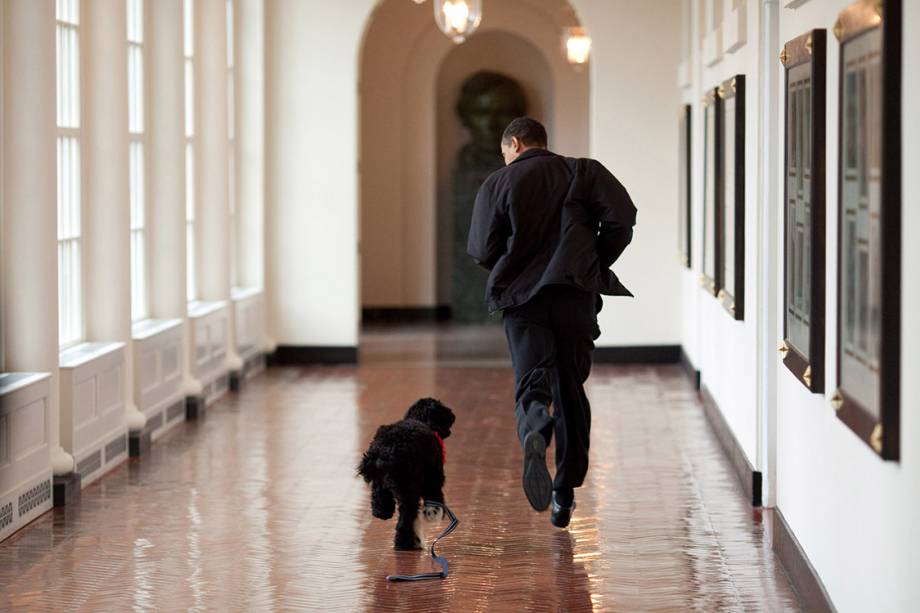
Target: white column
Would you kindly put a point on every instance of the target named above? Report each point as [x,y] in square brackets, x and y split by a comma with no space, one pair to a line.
[107,245]
[211,158]
[250,140]
[250,148]
[30,298]
[165,153]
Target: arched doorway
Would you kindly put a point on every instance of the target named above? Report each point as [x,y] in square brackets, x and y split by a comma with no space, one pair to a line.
[409,135]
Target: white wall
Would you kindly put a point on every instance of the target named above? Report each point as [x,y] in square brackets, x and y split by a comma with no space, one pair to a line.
[634,105]
[724,349]
[250,143]
[311,169]
[908,481]
[853,513]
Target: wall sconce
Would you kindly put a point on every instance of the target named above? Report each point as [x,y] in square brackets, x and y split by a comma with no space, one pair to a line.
[458,18]
[577,46]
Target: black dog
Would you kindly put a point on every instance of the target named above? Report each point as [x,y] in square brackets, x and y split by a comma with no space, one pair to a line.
[405,463]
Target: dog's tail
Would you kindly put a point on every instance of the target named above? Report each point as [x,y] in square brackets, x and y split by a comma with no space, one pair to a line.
[373,466]
[367,467]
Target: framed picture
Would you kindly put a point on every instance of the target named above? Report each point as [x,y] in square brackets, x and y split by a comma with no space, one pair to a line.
[712,190]
[805,61]
[685,171]
[869,233]
[731,264]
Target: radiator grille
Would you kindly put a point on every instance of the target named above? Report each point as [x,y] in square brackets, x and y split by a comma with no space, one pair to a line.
[90,463]
[6,515]
[34,497]
[116,447]
[177,409]
[155,423]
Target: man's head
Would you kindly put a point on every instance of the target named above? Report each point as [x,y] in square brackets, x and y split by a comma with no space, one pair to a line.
[522,134]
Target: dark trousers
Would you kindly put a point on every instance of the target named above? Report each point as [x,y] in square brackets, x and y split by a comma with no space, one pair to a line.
[551,338]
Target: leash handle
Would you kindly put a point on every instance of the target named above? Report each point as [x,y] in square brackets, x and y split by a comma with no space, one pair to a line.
[441,561]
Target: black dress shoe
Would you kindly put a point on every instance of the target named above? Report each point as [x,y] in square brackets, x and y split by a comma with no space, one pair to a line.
[561,515]
[538,487]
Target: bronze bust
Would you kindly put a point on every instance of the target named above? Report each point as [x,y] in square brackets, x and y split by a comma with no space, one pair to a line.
[487,104]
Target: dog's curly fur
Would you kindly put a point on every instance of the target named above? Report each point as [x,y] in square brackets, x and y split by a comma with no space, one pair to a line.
[404,464]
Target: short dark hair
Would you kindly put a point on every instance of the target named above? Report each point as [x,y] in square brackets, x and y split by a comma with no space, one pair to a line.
[529,131]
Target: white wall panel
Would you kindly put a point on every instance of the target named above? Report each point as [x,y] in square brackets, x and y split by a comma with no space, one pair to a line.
[25,452]
[209,323]
[93,426]
[158,390]
[249,307]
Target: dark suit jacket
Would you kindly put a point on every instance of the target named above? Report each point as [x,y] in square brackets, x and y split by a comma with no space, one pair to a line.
[550,220]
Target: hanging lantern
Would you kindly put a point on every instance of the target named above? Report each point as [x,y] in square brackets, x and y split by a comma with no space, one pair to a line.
[577,46]
[458,18]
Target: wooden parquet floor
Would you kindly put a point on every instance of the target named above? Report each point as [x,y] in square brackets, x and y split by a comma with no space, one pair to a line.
[257,507]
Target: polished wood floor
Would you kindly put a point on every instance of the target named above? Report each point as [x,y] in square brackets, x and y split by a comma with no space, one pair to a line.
[257,507]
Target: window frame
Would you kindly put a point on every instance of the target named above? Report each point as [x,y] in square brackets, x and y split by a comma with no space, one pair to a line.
[232,161]
[70,129]
[190,124]
[137,136]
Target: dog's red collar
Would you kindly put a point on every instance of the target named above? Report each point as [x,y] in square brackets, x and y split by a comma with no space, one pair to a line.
[443,449]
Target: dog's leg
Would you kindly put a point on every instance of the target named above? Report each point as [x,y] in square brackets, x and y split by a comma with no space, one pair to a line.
[434,491]
[383,505]
[406,537]
[418,527]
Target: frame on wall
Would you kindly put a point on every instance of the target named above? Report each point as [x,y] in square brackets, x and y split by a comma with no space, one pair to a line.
[802,350]
[869,230]
[712,191]
[685,172]
[731,226]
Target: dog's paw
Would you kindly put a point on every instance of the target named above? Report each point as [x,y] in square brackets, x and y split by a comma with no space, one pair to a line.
[432,514]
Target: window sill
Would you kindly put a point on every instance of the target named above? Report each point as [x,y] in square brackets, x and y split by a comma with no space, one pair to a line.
[201,308]
[14,381]
[84,353]
[238,294]
[147,328]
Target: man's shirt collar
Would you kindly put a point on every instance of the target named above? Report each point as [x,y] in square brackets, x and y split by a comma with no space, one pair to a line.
[532,153]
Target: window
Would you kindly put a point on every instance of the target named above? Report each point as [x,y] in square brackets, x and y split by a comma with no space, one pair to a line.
[189,53]
[231,141]
[69,201]
[136,175]
[2,280]
[716,14]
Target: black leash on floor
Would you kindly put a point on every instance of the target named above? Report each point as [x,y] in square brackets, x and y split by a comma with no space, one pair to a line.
[434,556]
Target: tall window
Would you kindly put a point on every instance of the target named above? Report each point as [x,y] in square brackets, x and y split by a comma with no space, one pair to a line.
[70,295]
[2,294]
[189,53]
[231,140]
[135,12]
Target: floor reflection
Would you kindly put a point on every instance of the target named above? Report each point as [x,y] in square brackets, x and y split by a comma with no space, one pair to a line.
[257,508]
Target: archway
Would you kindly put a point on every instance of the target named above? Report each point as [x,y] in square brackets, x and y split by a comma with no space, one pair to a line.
[407,69]
[494,51]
